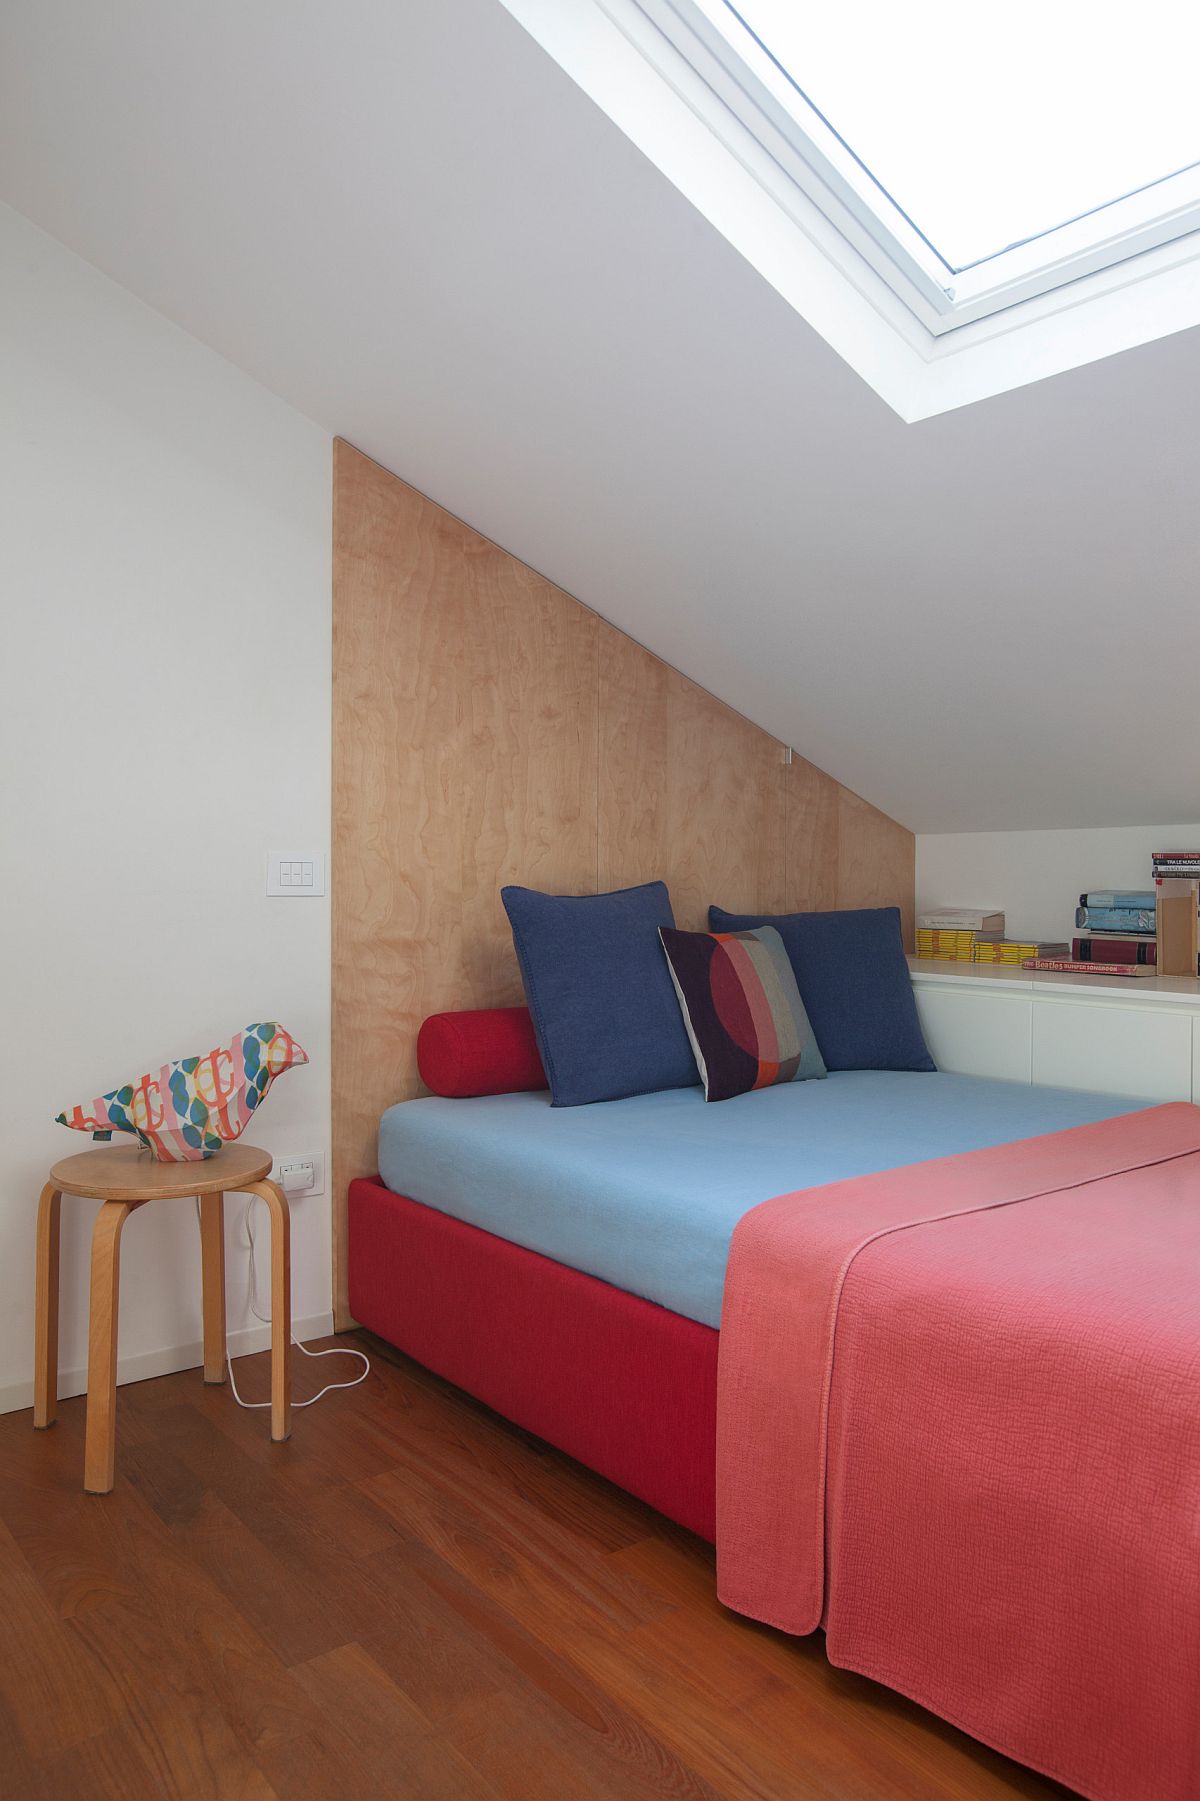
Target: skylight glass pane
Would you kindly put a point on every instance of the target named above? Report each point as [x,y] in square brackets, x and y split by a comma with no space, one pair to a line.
[988,126]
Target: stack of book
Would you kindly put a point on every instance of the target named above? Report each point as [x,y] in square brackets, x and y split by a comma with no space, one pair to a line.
[1118,928]
[945,946]
[975,935]
[950,934]
[1184,863]
[1016,950]
[1115,925]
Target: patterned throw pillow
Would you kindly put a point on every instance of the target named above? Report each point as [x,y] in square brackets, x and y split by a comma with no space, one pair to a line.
[742,1010]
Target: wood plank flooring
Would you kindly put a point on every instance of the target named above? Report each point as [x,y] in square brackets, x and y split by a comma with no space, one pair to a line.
[409,1599]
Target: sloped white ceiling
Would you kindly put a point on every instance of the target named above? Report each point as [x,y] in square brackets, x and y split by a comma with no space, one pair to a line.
[407,221]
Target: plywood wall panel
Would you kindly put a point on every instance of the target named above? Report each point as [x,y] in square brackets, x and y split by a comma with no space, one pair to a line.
[876,860]
[490,729]
[465,757]
[688,790]
[813,821]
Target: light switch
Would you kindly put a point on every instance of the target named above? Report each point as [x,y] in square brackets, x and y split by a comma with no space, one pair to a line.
[296,874]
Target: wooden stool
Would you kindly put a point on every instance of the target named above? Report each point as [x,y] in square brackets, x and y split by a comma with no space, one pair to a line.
[125,1177]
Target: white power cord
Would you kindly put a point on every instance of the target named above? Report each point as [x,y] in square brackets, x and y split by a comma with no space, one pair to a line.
[265,1319]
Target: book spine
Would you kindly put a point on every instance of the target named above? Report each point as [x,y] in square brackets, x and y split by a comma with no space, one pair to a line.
[1105,932]
[1116,919]
[1068,966]
[1118,897]
[1114,950]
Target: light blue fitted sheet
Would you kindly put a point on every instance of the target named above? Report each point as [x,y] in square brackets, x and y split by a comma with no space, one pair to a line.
[645,1193]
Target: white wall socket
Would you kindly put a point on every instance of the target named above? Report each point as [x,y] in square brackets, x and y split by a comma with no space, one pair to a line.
[301,1175]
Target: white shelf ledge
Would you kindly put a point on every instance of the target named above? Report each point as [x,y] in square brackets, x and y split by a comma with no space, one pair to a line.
[1007,977]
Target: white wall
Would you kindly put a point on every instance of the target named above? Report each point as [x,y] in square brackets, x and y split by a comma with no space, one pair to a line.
[164,720]
[1037,877]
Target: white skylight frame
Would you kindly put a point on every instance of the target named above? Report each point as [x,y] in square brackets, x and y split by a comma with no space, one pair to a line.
[747,85]
[920,361]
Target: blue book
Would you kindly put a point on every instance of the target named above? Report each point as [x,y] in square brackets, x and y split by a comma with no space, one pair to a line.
[1115,919]
[1138,898]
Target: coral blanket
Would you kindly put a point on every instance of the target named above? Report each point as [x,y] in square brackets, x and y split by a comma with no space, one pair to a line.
[959,1423]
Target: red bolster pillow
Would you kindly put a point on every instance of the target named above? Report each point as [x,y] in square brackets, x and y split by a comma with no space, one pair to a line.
[491,1050]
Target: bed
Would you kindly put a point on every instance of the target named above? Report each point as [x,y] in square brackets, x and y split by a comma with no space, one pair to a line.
[569,1268]
[566,1265]
[644,1193]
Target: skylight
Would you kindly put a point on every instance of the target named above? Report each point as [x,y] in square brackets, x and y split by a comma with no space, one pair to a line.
[986,155]
[959,202]
[990,128]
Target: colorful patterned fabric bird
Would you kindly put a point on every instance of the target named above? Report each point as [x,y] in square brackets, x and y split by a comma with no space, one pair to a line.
[192,1107]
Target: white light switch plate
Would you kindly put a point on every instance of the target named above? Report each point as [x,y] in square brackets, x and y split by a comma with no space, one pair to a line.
[296,872]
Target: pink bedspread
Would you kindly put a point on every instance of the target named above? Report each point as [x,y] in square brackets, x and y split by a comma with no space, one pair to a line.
[959,1422]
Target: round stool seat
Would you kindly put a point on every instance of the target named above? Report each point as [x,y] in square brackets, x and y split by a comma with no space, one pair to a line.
[128,1172]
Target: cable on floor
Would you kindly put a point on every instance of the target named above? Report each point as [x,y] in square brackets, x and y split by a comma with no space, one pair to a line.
[265,1319]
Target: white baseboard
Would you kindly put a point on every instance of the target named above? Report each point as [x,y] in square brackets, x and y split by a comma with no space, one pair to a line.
[165,1362]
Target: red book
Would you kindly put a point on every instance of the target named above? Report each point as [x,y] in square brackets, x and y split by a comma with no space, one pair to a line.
[1114,950]
[1069,967]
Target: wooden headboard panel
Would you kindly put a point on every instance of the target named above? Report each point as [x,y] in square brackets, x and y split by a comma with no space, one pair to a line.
[488,728]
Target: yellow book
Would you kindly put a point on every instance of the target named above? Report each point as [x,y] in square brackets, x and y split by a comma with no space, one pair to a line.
[1011,950]
[943,945]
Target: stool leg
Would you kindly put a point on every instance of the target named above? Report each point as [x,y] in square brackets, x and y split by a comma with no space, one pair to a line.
[281,1308]
[45,1347]
[100,1445]
[212,1262]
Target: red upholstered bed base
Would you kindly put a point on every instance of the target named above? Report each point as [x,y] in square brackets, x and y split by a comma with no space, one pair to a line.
[626,1387]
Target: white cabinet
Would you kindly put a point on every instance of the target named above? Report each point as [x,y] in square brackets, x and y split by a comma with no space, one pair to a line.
[1138,1038]
[975,1033]
[1145,1052]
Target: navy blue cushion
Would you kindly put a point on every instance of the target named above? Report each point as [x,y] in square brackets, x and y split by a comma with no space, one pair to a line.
[600,992]
[853,980]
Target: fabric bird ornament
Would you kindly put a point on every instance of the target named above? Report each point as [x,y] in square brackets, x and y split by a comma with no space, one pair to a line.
[194,1106]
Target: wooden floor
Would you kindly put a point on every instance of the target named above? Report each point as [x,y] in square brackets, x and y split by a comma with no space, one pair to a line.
[410,1599]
